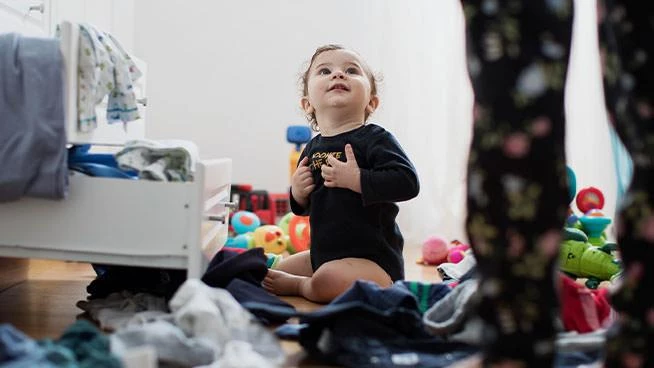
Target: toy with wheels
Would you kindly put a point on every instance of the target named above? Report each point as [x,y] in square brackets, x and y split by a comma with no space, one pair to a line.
[579,258]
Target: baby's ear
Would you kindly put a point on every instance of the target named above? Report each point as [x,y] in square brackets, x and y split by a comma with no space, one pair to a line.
[306,105]
[372,105]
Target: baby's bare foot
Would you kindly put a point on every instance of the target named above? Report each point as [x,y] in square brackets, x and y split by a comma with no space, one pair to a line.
[282,283]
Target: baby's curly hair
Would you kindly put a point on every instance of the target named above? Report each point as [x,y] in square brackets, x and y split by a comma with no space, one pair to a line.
[304,80]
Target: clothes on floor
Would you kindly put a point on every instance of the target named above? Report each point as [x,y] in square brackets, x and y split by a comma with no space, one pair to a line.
[582,309]
[118,309]
[455,271]
[453,318]
[119,293]
[268,308]
[241,273]
[81,345]
[348,224]
[226,265]
[517,195]
[173,347]
[155,281]
[369,326]
[203,322]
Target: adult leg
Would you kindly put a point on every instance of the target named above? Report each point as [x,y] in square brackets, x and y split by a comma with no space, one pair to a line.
[517,186]
[626,34]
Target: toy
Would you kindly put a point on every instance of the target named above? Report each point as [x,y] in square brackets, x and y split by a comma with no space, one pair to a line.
[245,221]
[594,223]
[270,238]
[272,260]
[298,135]
[579,258]
[590,198]
[582,259]
[298,231]
[457,252]
[242,241]
[434,250]
[572,183]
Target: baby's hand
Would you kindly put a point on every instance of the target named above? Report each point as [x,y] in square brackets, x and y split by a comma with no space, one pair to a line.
[343,174]
[302,183]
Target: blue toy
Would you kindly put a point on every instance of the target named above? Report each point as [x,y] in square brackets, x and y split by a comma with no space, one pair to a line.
[298,135]
[245,221]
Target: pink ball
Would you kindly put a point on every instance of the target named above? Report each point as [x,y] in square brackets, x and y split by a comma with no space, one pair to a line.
[434,250]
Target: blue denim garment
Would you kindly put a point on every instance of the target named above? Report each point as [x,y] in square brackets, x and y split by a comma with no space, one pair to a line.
[369,326]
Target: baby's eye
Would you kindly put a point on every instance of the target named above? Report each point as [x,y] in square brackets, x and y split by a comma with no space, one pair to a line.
[352,70]
[324,71]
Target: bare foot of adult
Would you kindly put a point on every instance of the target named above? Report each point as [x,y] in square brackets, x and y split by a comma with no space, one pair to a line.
[282,283]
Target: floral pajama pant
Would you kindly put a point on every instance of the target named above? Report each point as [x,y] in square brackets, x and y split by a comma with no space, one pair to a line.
[517,186]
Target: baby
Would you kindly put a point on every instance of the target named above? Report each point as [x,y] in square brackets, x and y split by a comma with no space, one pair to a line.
[348,179]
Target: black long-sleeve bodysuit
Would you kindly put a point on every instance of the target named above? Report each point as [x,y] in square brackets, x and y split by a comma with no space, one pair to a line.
[348,224]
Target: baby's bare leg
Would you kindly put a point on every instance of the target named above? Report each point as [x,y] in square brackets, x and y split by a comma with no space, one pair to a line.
[329,281]
[297,264]
[286,277]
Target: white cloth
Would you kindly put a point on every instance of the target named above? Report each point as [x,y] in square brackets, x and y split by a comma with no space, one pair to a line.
[239,354]
[451,318]
[171,344]
[164,160]
[104,68]
[118,309]
[213,315]
[456,270]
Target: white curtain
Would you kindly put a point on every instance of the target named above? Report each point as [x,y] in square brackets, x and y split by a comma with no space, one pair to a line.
[427,103]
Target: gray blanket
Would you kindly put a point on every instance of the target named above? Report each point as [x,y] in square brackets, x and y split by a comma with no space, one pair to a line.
[32,132]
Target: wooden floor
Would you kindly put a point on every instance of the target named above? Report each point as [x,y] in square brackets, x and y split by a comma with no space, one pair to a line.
[38,297]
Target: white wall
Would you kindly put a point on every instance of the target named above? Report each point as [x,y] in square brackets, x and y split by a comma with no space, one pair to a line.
[224,73]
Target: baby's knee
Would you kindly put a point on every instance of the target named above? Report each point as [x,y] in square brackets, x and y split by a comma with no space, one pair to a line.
[328,283]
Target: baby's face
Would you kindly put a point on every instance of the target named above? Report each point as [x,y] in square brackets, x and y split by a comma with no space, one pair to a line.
[337,80]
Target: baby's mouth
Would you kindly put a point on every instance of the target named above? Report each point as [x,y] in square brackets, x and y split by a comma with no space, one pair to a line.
[339,86]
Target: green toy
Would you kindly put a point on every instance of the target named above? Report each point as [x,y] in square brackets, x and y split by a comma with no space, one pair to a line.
[579,258]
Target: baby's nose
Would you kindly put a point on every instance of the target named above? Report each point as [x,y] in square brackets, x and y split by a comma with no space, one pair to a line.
[338,74]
